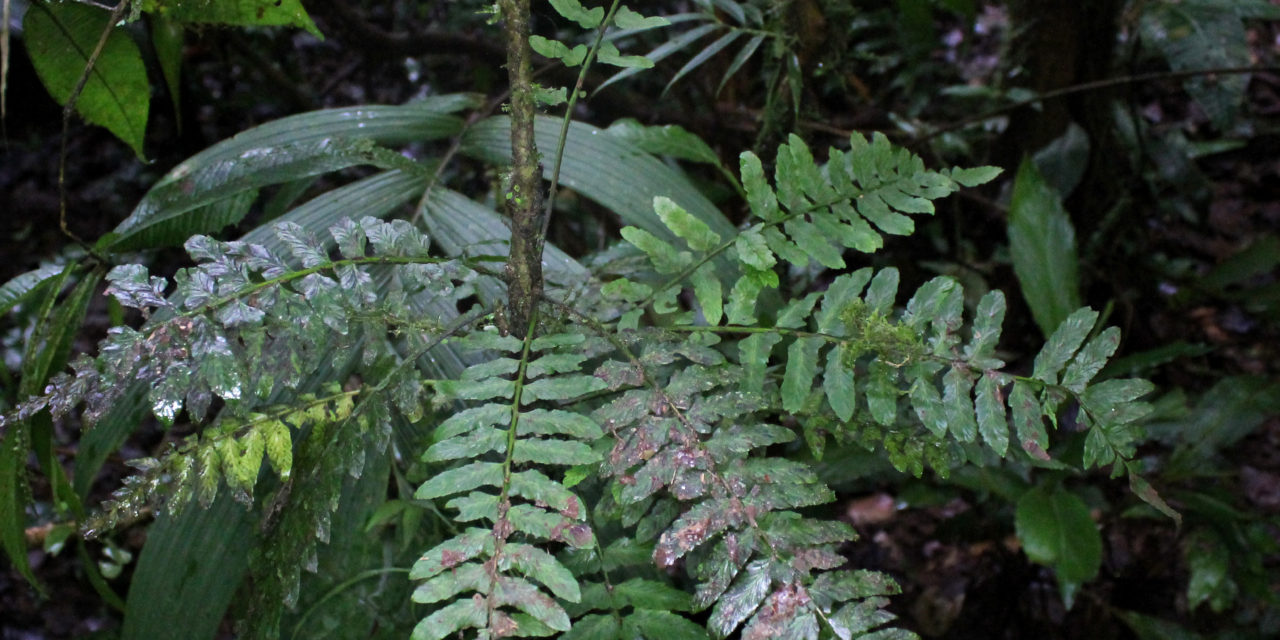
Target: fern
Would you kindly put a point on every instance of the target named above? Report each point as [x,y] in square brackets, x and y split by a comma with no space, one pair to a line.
[639,460]
[500,563]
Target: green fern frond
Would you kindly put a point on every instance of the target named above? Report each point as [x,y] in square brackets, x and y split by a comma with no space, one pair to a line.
[514,433]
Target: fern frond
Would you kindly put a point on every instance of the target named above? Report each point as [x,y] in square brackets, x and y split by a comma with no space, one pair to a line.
[687,432]
[502,565]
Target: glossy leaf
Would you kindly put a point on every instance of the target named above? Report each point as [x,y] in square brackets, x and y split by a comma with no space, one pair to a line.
[669,140]
[19,289]
[1055,530]
[1042,243]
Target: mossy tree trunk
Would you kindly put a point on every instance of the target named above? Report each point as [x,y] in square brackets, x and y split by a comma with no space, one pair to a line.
[524,190]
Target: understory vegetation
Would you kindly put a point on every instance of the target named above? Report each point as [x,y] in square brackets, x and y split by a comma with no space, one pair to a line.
[689,319]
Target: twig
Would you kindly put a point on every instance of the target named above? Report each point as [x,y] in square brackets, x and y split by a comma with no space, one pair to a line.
[116,14]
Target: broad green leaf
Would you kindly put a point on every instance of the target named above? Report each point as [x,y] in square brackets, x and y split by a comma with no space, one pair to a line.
[245,13]
[1063,161]
[60,37]
[573,10]
[1064,342]
[605,169]
[1042,243]
[802,366]
[281,151]
[49,345]
[212,545]
[463,227]
[753,354]
[688,228]
[838,383]
[167,38]
[989,405]
[31,283]
[710,295]
[670,140]
[1055,529]
[1259,258]
[46,352]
